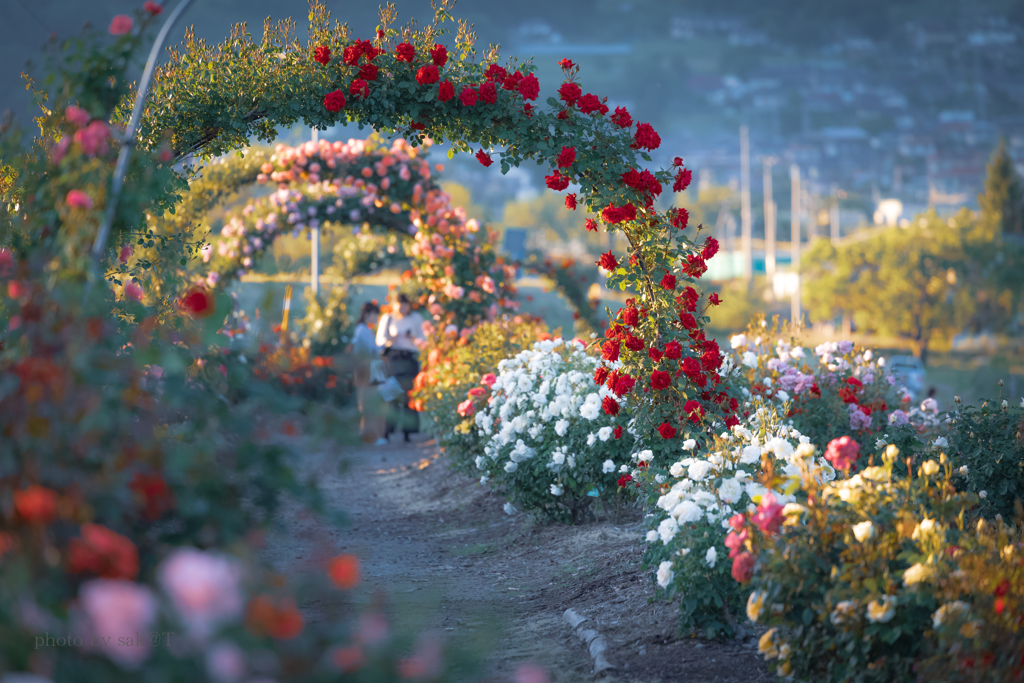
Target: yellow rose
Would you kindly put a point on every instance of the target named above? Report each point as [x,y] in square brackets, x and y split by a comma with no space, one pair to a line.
[766,645]
[882,610]
[930,468]
[864,531]
[755,603]
[969,630]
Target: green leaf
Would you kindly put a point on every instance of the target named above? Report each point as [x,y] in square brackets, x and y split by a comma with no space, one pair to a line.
[451,152]
[552,101]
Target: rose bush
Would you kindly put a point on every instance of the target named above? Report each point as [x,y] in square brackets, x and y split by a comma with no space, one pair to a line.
[551,437]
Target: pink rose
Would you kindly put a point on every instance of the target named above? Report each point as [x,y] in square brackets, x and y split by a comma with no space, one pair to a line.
[489,379]
[842,452]
[466,408]
[768,517]
[120,25]
[225,662]
[204,588]
[133,291]
[77,115]
[6,261]
[125,254]
[121,611]
[743,567]
[79,200]
[60,149]
[93,138]
[476,391]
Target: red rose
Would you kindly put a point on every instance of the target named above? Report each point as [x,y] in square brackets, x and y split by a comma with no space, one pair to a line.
[687,320]
[199,303]
[589,103]
[351,54]
[610,351]
[600,375]
[731,421]
[854,382]
[321,54]
[847,394]
[743,567]
[488,93]
[495,73]
[607,261]
[655,354]
[710,248]
[556,181]
[693,410]
[666,430]
[36,504]
[690,367]
[624,479]
[673,350]
[103,552]
[842,452]
[569,93]
[566,157]
[660,379]
[711,359]
[634,343]
[152,7]
[618,214]
[528,110]
[630,316]
[610,406]
[334,101]
[427,74]
[679,218]
[623,385]
[621,118]
[570,201]
[439,53]
[694,266]
[682,180]
[714,300]
[566,64]
[512,81]
[618,432]
[445,91]
[468,96]
[669,281]
[646,137]
[484,158]
[360,87]
[418,125]
[529,88]
[405,52]
[368,72]
[689,299]
[1002,589]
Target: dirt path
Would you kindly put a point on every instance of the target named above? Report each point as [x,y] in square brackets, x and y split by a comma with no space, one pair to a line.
[452,561]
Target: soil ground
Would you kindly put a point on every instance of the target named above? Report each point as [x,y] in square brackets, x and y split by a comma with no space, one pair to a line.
[451,560]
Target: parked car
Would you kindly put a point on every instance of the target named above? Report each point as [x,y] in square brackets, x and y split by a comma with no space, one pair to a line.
[909,371]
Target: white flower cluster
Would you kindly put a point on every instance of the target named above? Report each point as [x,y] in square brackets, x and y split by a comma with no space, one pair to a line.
[546,415]
[708,491]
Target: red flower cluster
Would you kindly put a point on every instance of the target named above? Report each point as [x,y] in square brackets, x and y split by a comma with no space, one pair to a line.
[103,552]
[512,81]
[646,137]
[634,343]
[322,54]
[488,93]
[630,316]
[359,87]
[495,73]
[608,261]
[445,91]
[334,101]
[570,201]
[484,158]
[618,214]
[842,452]
[688,299]
[693,410]
[566,64]
[368,72]
[694,266]
[360,48]
[405,52]
[427,74]
[682,181]
[591,225]
[710,248]
[439,55]
[621,118]
[569,93]
[556,181]
[679,218]
[688,320]
[588,104]
[199,303]
[610,351]
[610,406]
[643,181]
[566,157]
[624,479]
[468,96]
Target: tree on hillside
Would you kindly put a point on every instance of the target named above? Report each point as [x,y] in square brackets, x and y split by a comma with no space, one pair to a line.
[1002,202]
[904,282]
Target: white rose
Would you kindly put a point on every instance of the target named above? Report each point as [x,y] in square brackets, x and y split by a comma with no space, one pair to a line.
[738,341]
[689,445]
[750,359]
[608,466]
[561,427]
[604,433]
[645,456]
[665,574]
[556,490]
[730,491]
[652,536]
[511,466]
[940,442]
[864,531]
[668,529]
[509,509]
[676,470]
[711,557]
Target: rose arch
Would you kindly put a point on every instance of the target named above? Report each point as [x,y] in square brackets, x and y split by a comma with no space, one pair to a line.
[213,100]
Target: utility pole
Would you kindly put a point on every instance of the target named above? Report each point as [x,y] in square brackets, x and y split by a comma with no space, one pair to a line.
[796,314]
[314,277]
[833,215]
[770,217]
[745,217]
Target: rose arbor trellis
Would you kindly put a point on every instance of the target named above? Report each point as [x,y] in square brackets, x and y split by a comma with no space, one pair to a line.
[373,187]
[214,99]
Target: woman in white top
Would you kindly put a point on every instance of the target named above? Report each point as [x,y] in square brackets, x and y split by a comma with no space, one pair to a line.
[364,346]
[397,334]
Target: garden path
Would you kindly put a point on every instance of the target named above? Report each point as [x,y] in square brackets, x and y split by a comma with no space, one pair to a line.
[452,561]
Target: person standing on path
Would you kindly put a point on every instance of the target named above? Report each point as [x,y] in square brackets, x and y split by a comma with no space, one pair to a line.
[366,350]
[399,330]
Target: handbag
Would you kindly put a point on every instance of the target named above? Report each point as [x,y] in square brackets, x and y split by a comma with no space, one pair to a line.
[378,373]
[390,389]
